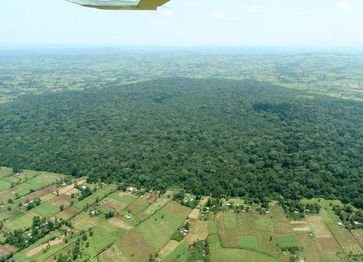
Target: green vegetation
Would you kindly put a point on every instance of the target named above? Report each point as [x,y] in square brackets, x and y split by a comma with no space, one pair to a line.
[247,242]
[287,241]
[266,154]
[162,230]
[37,72]
[160,227]
[278,141]
[46,210]
[229,220]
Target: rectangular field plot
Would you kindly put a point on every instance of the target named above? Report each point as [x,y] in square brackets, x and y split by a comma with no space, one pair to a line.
[67,213]
[21,222]
[137,206]
[10,214]
[358,234]
[249,226]
[35,183]
[61,200]
[4,184]
[228,254]
[345,239]
[152,208]
[104,234]
[229,220]
[45,210]
[124,197]
[287,240]
[310,246]
[180,253]
[264,224]
[156,206]
[281,225]
[132,247]
[159,228]
[84,221]
[42,192]
[247,242]
[111,204]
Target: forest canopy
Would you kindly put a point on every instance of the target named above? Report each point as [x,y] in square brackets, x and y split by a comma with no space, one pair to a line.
[221,137]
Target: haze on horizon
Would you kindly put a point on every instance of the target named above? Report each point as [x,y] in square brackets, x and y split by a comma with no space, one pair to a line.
[298,23]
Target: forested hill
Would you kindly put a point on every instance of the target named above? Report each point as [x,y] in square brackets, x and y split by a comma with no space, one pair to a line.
[243,138]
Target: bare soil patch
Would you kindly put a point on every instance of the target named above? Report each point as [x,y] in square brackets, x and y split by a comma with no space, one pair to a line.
[72,191]
[282,231]
[125,194]
[7,249]
[65,189]
[299,222]
[72,210]
[328,244]
[134,247]
[198,231]
[151,199]
[302,229]
[177,209]
[119,223]
[60,200]
[194,214]
[170,247]
[42,192]
[317,225]
[114,253]
[39,249]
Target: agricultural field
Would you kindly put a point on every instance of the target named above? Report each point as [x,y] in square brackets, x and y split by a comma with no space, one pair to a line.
[66,219]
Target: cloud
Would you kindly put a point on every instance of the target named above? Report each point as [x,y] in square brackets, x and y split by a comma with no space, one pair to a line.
[218,15]
[345,6]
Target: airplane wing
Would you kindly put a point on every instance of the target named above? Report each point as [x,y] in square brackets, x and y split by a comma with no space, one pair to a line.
[121,4]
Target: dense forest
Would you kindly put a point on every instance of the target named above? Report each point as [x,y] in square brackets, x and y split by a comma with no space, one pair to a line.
[210,136]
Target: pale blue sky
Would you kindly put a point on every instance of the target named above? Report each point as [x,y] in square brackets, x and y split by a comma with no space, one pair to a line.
[186,22]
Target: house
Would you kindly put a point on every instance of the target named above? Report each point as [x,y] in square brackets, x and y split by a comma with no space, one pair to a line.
[131,189]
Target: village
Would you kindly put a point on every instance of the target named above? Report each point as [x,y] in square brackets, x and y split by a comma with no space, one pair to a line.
[52,217]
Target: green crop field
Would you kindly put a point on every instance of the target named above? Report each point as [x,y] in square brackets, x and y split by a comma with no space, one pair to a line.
[247,242]
[46,210]
[84,221]
[4,184]
[287,240]
[35,183]
[229,220]
[158,229]
[103,236]
[180,254]
[21,222]
[125,198]
[138,205]
[264,224]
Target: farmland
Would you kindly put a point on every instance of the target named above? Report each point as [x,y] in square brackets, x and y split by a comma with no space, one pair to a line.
[84,221]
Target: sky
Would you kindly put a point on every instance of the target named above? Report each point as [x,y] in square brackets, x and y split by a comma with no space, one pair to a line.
[293,23]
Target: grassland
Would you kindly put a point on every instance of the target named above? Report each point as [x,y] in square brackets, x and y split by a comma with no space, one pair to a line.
[142,227]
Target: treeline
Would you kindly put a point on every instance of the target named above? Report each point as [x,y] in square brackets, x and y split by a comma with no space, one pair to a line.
[218,137]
